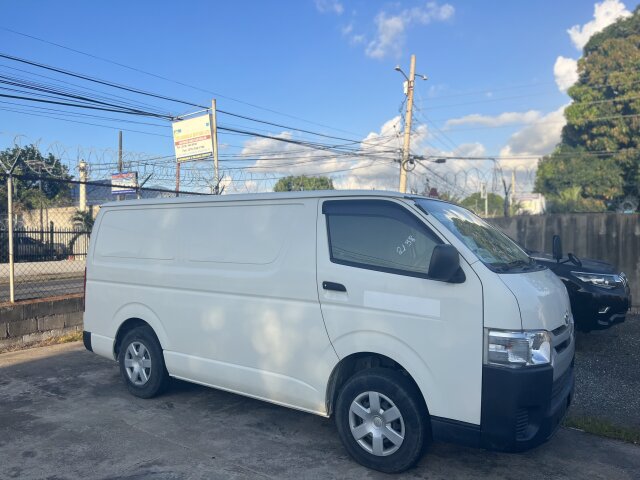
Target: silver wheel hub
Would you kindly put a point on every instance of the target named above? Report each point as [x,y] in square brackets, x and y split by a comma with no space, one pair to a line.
[137,363]
[376,423]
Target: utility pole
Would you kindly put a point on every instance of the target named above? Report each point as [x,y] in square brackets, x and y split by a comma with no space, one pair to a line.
[82,169]
[9,172]
[120,166]
[177,179]
[484,194]
[12,297]
[407,126]
[214,139]
[513,186]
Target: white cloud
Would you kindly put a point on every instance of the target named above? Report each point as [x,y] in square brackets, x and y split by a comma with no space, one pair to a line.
[370,167]
[605,13]
[329,6]
[506,118]
[565,71]
[357,39]
[390,34]
[537,139]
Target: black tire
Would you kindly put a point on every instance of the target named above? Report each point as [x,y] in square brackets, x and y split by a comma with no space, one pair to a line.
[401,392]
[157,378]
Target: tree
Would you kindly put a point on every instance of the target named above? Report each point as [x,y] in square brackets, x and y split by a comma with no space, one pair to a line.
[572,200]
[35,191]
[597,161]
[475,203]
[302,182]
[83,224]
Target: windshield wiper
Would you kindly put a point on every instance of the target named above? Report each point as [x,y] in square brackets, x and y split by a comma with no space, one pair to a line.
[518,263]
[506,266]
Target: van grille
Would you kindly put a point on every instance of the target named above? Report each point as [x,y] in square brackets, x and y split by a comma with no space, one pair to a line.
[559,331]
[562,346]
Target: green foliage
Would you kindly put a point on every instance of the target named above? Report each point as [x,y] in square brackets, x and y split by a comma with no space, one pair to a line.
[476,204]
[603,117]
[83,220]
[83,223]
[448,197]
[34,193]
[571,200]
[302,182]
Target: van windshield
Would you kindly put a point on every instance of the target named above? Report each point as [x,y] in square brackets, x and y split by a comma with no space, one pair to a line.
[490,245]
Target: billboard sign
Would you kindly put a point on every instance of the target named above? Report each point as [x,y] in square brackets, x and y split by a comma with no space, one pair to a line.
[192,138]
[123,183]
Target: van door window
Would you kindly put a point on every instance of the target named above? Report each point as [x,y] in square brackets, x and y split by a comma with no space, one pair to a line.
[378,235]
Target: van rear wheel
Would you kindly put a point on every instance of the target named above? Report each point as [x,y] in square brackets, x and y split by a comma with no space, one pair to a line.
[142,363]
[382,420]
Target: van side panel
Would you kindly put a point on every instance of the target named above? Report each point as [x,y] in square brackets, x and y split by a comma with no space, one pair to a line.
[229,289]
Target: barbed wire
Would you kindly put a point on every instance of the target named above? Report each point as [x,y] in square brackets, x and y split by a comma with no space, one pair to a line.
[247,174]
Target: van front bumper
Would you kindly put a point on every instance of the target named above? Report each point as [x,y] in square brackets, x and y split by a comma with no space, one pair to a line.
[521,409]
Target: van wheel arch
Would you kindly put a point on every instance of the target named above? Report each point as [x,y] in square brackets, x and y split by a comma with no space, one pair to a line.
[125,328]
[356,362]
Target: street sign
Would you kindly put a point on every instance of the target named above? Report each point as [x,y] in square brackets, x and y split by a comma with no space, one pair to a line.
[123,183]
[192,138]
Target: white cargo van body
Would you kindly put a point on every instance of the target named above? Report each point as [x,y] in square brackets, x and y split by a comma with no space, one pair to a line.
[228,287]
[403,316]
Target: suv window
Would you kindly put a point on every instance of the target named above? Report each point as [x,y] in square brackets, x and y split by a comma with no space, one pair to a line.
[378,235]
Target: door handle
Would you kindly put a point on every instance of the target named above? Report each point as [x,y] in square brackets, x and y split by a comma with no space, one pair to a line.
[338,287]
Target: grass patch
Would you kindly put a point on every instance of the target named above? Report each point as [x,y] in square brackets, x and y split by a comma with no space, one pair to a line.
[69,337]
[604,428]
[55,340]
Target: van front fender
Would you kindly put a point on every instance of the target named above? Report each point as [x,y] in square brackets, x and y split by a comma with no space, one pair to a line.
[368,341]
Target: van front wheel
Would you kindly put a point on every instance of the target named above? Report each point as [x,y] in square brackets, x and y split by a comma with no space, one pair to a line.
[382,420]
[142,363]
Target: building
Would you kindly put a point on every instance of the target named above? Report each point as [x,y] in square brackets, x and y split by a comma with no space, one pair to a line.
[528,203]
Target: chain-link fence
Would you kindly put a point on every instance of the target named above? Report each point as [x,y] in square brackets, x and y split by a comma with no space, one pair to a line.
[50,232]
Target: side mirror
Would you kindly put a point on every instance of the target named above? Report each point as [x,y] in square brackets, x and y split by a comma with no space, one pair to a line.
[445,265]
[557,248]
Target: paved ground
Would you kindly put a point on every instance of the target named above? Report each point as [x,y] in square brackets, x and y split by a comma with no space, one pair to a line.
[26,289]
[27,269]
[608,374]
[64,413]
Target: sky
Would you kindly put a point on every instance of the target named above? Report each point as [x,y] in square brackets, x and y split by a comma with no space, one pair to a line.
[497,78]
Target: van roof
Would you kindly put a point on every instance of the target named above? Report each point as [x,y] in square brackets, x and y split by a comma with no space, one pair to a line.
[267,196]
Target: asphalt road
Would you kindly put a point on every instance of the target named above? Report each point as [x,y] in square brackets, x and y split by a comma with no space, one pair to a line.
[64,413]
[25,290]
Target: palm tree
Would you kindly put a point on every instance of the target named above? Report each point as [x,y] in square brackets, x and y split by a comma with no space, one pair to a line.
[82,224]
[83,220]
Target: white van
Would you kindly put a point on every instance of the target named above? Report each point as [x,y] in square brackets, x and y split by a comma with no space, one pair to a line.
[406,318]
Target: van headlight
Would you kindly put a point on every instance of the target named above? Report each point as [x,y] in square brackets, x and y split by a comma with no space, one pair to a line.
[602,280]
[517,349]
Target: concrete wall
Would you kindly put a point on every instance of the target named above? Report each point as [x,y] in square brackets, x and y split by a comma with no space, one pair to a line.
[31,322]
[612,237]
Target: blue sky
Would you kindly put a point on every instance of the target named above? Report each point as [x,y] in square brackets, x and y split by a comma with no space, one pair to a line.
[329,62]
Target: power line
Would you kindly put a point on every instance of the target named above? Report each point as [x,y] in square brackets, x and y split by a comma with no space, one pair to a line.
[33,37]
[86,123]
[137,91]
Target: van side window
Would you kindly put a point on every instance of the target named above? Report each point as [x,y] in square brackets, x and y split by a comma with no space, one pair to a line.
[378,235]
